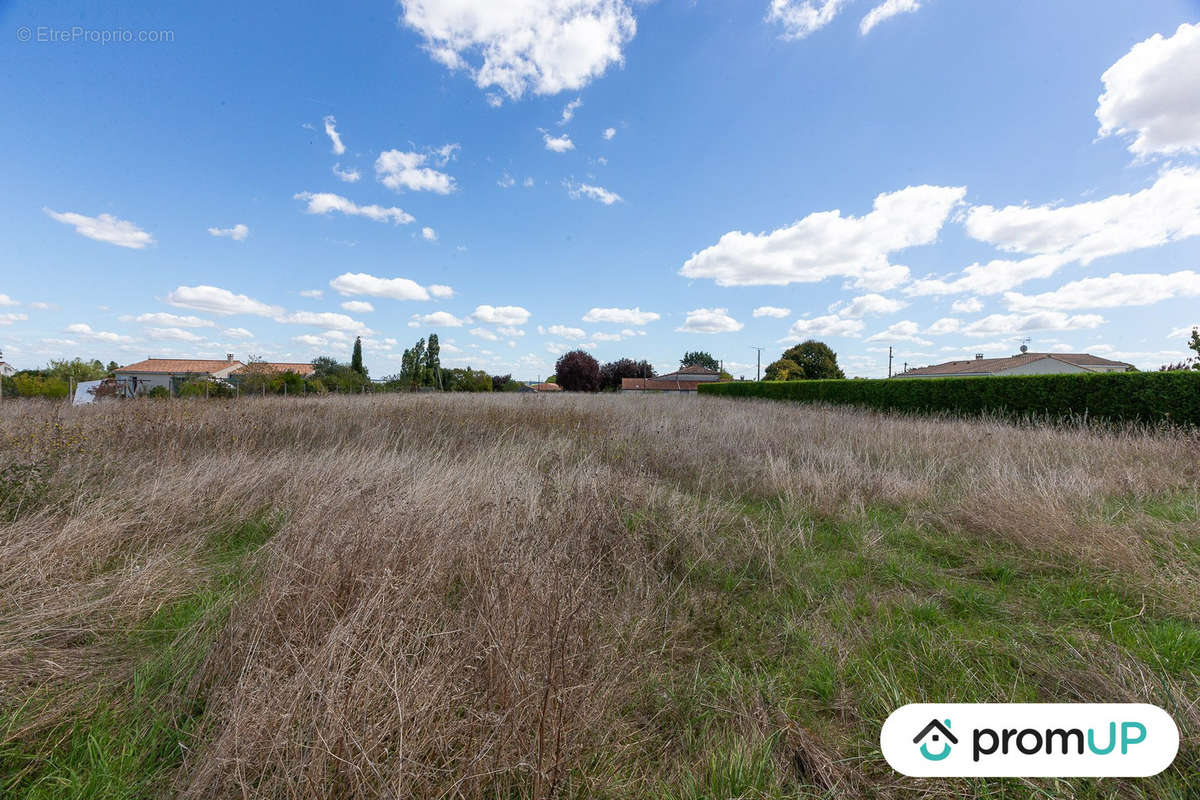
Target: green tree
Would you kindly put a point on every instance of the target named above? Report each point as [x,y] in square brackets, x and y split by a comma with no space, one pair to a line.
[467,380]
[612,372]
[356,362]
[783,370]
[699,358]
[76,369]
[412,364]
[578,371]
[815,359]
[1194,344]
[433,363]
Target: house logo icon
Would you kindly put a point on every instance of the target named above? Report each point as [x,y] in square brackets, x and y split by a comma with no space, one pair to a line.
[935,731]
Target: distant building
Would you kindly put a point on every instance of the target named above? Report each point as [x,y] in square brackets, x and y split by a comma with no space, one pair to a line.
[687,379]
[532,388]
[170,373]
[7,370]
[275,367]
[1020,364]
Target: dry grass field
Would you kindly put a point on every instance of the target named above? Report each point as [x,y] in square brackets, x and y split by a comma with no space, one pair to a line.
[516,596]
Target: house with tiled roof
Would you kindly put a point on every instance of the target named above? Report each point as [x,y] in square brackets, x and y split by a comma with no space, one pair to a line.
[142,376]
[685,379]
[540,388]
[275,368]
[1020,364]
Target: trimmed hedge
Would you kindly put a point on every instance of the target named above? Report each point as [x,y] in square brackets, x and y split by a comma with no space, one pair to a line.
[1134,396]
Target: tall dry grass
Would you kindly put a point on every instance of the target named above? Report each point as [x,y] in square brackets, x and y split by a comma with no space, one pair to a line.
[458,602]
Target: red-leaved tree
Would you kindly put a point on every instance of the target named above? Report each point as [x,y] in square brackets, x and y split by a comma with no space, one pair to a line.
[577,371]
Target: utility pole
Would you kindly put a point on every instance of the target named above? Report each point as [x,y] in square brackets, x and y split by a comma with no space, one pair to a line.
[758,367]
[889,361]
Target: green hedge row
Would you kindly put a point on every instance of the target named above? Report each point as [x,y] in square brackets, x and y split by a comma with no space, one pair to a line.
[1134,396]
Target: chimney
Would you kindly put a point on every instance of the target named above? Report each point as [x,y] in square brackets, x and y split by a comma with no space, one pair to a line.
[978,356]
[229,358]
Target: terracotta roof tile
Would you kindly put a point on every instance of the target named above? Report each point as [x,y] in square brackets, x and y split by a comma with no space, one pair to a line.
[990,366]
[179,365]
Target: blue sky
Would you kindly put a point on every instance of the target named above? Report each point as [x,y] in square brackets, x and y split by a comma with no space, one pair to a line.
[636,178]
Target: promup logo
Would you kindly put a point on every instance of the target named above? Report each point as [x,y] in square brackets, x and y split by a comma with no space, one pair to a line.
[935,730]
[1030,740]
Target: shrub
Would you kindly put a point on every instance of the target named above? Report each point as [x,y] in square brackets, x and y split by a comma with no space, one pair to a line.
[159,391]
[577,371]
[1133,396]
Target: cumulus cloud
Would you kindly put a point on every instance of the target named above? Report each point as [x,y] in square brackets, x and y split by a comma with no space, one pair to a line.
[428,234]
[870,304]
[968,305]
[316,294]
[995,324]
[903,331]
[399,170]
[484,333]
[886,10]
[609,133]
[506,181]
[597,193]
[1115,291]
[238,232]
[163,319]
[325,202]
[215,300]
[334,136]
[348,175]
[173,334]
[5,300]
[564,332]
[357,307]
[1048,237]
[439,319]
[539,46]
[11,317]
[943,326]
[825,244]
[237,333]
[352,283]
[621,316]
[829,325]
[105,228]
[558,144]
[1150,94]
[323,319]
[709,320]
[501,315]
[85,330]
[799,18]
[440,291]
[772,311]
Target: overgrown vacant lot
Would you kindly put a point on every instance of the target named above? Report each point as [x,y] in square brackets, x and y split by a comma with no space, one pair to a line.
[577,596]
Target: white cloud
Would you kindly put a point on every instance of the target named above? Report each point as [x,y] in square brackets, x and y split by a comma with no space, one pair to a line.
[527,183]
[483,333]
[709,320]
[886,10]
[238,232]
[352,283]
[501,315]
[40,306]
[1185,332]
[334,136]
[1115,291]
[506,180]
[329,320]
[607,337]
[440,291]
[542,46]
[568,112]
[943,326]
[609,133]
[428,234]
[968,305]
[105,228]
[438,319]
[994,324]
[1151,93]
[621,316]
[174,334]
[508,330]
[85,330]
[1053,236]
[316,294]
[597,193]
[10,317]
[825,244]
[325,202]
[564,332]
[772,311]
[351,175]
[5,300]
[871,304]
[399,170]
[357,306]
[558,144]
[903,331]
[237,333]
[219,301]
[829,325]
[799,18]
[164,319]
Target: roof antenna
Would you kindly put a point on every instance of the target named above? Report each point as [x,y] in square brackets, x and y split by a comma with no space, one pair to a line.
[1025,345]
